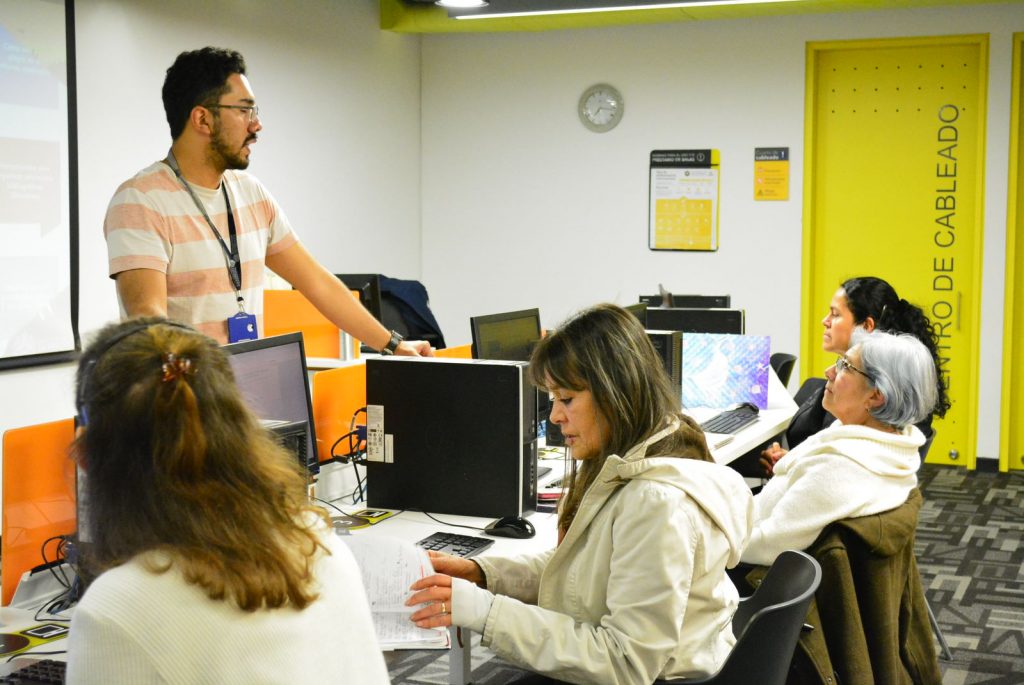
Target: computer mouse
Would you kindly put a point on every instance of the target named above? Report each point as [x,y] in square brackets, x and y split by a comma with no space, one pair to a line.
[749,406]
[511,527]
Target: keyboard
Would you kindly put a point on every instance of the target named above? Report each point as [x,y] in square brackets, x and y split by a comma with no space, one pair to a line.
[39,672]
[455,544]
[731,421]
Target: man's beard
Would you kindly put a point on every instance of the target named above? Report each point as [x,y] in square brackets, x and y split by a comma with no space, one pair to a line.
[223,156]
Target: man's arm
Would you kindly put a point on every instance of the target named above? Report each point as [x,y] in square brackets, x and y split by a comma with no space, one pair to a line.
[143,292]
[335,301]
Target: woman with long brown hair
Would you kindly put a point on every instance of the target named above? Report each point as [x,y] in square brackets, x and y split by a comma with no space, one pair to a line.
[212,565]
[636,588]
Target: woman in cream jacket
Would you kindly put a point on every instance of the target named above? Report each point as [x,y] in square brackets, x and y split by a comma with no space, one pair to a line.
[636,588]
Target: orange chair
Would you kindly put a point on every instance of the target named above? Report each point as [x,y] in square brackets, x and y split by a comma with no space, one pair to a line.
[288,311]
[460,352]
[38,497]
[337,394]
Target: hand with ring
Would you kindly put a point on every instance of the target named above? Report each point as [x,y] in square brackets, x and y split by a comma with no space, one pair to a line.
[435,594]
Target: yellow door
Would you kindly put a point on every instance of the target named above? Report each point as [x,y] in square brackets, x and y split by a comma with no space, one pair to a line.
[1011,446]
[894,180]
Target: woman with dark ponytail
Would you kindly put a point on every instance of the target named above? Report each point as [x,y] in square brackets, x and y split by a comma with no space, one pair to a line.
[867,303]
[212,566]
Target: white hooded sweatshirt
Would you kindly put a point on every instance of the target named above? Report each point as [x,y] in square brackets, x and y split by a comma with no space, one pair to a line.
[637,589]
[838,473]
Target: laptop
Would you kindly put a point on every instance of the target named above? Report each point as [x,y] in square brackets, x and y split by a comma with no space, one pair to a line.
[720,370]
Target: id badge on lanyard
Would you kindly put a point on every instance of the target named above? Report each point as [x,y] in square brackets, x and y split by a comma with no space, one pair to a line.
[242,327]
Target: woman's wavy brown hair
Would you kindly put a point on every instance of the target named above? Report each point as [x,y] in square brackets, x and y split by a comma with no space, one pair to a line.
[176,462]
[605,350]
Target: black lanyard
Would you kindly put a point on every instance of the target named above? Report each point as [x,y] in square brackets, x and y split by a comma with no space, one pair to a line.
[231,257]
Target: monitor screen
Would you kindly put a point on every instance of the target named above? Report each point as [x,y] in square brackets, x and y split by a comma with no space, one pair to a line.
[722,370]
[696,320]
[272,377]
[368,286]
[508,337]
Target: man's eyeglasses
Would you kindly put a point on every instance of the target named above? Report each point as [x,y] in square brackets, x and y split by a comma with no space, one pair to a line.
[842,364]
[252,110]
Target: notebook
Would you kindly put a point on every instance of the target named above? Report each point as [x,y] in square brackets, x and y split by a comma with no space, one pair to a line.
[720,370]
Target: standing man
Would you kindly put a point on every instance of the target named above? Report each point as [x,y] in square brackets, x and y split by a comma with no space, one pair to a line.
[188,237]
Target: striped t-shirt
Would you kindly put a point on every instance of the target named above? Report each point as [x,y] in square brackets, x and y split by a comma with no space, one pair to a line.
[153,223]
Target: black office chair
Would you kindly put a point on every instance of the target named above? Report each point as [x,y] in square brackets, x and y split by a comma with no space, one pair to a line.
[807,389]
[929,438]
[782,363]
[767,624]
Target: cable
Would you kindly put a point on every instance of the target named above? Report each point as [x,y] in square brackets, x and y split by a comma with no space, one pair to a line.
[445,523]
[34,654]
[331,505]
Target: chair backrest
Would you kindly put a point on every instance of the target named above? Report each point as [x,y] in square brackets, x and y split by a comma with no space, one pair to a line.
[782,363]
[38,496]
[767,624]
[337,395]
[288,311]
[458,352]
[929,438]
[808,388]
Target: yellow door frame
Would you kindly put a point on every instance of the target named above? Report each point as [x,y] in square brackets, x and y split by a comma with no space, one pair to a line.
[1011,432]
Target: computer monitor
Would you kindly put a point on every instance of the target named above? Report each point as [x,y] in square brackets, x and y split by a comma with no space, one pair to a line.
[694,320]
[699,301]
[368,286]
[507,337]
[272,377]
[638,310]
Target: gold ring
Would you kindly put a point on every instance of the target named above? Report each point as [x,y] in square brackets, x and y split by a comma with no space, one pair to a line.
[443,611]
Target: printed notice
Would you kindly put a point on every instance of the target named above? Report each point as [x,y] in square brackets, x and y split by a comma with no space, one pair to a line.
[771,173]
[683,200]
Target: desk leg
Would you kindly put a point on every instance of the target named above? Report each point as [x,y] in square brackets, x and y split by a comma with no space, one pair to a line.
[458,660]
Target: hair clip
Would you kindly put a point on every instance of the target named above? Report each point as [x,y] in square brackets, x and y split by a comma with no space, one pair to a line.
[175,367]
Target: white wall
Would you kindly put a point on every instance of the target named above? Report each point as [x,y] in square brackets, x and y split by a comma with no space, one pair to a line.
[524,207]
[340,147]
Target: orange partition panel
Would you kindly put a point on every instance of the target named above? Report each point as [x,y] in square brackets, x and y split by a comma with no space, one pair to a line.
[288,311]
[460,352]
[39,497]
[337,394]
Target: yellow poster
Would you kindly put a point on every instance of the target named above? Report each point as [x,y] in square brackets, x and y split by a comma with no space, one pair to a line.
[683,200]
[771,173]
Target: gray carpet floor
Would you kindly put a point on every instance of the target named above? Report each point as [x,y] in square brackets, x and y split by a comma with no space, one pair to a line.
[970,549]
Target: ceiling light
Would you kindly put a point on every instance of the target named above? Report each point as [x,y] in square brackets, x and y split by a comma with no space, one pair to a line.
[620,8]
[461,4]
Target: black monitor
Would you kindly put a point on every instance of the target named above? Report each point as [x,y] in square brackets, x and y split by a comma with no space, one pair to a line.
[368,286]
[698,301]
[272,377]
[638,310]
[694,320]
[510,336]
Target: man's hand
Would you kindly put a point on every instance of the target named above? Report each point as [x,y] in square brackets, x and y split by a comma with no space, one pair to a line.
[414,348]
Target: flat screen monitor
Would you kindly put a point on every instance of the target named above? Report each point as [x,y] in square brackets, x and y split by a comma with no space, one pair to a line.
[638,310]
[701,301]
[508,337]
[368,286]
[271,374]
[694,320]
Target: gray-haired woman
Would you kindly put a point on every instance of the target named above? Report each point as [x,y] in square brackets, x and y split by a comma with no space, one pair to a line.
[866,462]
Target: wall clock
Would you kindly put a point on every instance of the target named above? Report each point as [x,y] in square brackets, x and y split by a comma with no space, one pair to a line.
[601,108]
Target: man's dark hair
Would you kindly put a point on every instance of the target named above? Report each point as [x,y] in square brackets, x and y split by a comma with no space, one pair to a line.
[197,77]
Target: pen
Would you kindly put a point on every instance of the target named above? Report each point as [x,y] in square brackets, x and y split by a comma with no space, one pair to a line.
[725,442]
